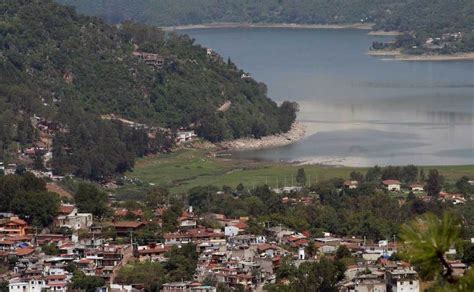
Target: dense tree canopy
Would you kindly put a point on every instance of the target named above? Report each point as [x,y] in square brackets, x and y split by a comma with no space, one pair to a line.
[90,199]
[74,69]
[180,266]
[27,197]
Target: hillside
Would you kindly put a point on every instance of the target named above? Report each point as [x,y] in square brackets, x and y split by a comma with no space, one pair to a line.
[180,12]
[70,70]
[418,19]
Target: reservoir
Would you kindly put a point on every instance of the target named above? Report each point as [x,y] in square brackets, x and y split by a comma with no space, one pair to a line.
[358,110]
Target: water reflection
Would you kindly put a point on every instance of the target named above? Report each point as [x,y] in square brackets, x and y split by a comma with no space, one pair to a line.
[358,110]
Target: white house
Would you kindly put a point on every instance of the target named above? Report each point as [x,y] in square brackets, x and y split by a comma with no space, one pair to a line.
[416,188]
[69,217]
[27,285]
[403,280]
[230,231]
[183,136]
[392,185]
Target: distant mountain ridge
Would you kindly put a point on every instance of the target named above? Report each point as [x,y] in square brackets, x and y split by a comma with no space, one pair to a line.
[402,15]
[420,20]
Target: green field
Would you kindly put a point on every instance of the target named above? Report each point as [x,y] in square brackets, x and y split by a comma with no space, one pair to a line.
[188,168]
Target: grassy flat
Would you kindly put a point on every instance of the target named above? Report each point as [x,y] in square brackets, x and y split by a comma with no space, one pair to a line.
[188,168]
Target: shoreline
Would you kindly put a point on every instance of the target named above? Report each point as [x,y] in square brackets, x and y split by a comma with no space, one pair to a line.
[396,55]
[384,33]
[296,133]
[362,26]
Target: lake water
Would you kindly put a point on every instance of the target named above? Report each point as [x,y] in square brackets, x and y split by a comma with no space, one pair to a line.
[358,110]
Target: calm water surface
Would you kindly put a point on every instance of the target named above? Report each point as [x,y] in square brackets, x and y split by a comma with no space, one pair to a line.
[358,110]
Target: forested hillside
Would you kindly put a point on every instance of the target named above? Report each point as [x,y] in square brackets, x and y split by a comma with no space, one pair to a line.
[179,12]
[418,19]
[73,69]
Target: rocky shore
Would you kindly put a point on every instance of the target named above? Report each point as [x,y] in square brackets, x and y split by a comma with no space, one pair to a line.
[296,133]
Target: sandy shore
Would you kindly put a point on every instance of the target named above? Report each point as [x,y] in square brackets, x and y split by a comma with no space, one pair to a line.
[398,56]
[365,26]
[384,53]
[453,57]
[384,33]
[296,133]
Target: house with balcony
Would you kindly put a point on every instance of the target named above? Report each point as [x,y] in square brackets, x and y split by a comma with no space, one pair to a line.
[13,226]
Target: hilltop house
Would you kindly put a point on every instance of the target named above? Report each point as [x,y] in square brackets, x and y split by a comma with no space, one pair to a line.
[153,60]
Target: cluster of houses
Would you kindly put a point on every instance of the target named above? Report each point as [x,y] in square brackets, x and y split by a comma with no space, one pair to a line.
[443,40]
[395,186]
[392,185]
[228,253]
[41,148]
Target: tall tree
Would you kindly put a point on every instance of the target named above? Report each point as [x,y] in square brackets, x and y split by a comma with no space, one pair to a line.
[301,177]
[374,174]
[409,174]
[358,176]
[89,199]
[434,183]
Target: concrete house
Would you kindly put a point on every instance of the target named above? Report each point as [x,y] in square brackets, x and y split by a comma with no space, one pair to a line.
[416,188]
[392,185]
[351,184]
[13,226]
[404,280]
[69,217]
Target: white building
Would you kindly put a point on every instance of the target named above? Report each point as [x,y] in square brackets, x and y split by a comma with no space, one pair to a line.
[403,280]
[231,231]
[26,285]
[416,188]
[183,136]
[392,185]
[301,253]
[69,217]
